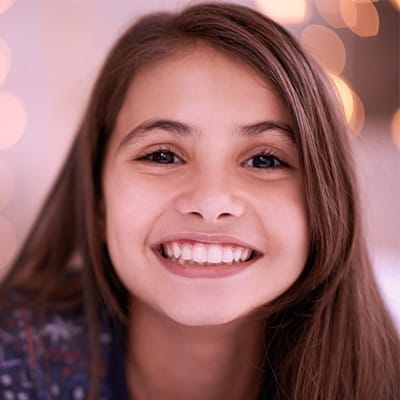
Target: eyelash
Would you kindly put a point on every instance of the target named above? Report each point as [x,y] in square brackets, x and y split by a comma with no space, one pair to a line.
[270,156]
[146,157]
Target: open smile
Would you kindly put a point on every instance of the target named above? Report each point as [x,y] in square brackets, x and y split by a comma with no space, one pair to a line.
[197,253]
[204,257]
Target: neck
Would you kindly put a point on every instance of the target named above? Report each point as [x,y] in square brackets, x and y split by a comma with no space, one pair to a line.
[168,360]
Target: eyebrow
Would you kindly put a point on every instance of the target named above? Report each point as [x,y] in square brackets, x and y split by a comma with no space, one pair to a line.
[184,130]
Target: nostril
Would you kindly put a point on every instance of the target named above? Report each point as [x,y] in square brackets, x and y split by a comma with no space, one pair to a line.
[207,217]
[223,215]
[196,214]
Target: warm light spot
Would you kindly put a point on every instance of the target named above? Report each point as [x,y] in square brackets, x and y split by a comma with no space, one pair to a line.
[345,96]
[12,119]
[6,185]
[326,46]
[5,5]
[330,12]
[5,60]
[285,11]
[396,4]
[357,118]
[367,20]
[396,128]
[352,105]
[8,244]
[348,11]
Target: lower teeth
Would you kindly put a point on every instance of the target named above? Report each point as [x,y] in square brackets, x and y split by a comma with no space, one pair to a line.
[182,261]
[190,262]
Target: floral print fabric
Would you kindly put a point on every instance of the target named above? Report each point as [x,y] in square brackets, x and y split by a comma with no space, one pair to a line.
[47,356]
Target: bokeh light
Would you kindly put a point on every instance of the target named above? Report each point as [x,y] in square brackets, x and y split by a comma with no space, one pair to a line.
[360,16]
[396,128]
[352,105]
[8,244]
[330,12]
[5,60]
[285,11]
[348,12]
[12,119]
[6,185]
[396,4]
[345,95]
[357,119]
[5,5]
[326,46]
[367,23]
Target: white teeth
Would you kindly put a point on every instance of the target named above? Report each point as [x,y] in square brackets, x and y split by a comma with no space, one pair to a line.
[227,255]
[199,252]
[176,249]
[169,250]
[186,252]
[181,260]
[245,254]
[237,252]
[205,254]
[214,255]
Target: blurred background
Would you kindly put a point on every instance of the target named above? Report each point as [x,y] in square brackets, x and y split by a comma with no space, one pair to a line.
[50,52]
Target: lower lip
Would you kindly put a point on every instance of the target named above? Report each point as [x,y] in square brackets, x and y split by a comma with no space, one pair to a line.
[206,271]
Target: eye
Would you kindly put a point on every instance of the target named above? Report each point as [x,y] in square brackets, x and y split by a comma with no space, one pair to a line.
[263,161]
[162,156]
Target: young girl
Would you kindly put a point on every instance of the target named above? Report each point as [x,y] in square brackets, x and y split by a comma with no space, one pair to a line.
[203,239]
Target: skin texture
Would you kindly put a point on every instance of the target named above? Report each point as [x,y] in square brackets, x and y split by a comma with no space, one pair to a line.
[196,326]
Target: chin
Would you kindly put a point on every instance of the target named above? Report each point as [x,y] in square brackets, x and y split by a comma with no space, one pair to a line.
[203,316]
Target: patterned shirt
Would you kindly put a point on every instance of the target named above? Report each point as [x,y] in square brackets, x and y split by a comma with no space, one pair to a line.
[46,357]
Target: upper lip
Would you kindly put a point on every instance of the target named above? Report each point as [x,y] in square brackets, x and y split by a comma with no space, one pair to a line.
[207,239]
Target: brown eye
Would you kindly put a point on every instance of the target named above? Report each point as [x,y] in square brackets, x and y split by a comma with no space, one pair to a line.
[162,156]
[263,161]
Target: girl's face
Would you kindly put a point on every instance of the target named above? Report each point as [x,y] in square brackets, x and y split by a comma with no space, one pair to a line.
[205,216]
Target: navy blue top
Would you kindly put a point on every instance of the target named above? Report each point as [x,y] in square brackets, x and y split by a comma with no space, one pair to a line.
[117,375]
[46,356]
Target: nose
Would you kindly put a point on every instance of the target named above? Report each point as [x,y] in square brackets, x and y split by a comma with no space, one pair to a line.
[212,197]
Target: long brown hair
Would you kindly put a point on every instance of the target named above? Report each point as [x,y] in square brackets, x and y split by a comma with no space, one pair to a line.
[329,336]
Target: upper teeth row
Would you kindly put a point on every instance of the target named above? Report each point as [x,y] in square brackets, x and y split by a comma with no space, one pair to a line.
[206,253]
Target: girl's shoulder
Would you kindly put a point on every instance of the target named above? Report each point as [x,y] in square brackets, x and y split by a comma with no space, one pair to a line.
[46,354]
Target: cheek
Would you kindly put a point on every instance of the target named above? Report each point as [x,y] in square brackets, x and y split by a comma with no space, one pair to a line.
[291,225]
[282,205]
[131,203]
[130,212]
[283,215]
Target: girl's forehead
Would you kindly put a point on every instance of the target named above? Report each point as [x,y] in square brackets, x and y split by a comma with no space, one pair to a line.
[188,81]
[198,60]
[201,87]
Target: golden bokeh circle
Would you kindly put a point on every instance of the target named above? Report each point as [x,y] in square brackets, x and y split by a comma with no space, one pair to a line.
[345,95]
[367,20]
[348,12]
[330,12]
[285,11]
[325,46]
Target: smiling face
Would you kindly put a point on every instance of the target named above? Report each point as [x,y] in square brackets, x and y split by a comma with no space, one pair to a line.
[205,215]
